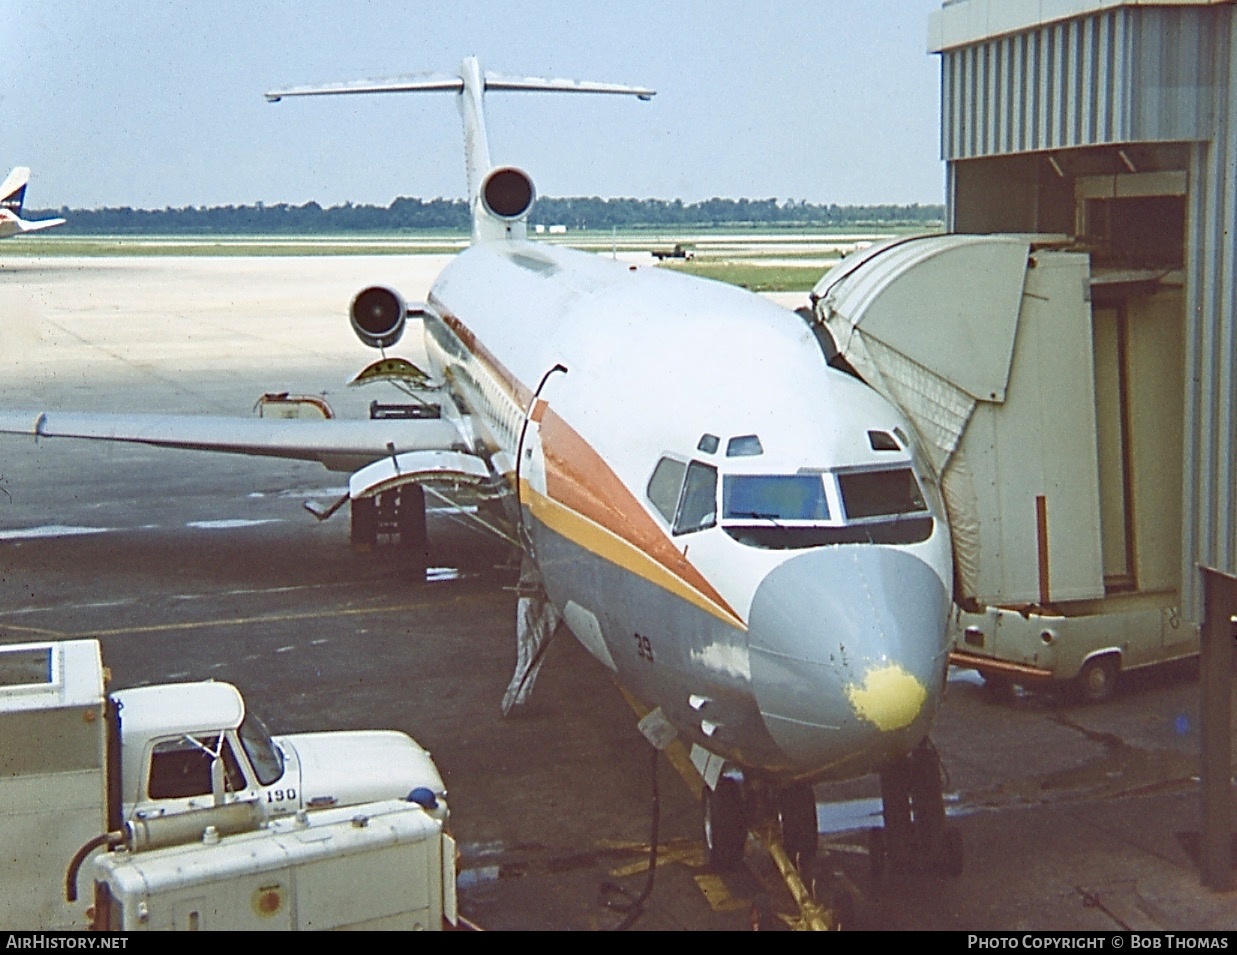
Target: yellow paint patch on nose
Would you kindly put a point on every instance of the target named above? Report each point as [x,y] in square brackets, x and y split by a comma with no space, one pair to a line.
[890,697]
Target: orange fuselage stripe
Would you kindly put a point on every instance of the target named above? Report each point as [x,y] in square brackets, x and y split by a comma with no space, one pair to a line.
[586,501]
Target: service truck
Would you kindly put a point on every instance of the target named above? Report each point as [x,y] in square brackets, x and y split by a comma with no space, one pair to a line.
[124,769]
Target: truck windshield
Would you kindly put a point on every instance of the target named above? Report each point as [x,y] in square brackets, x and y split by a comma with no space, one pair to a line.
[265,756]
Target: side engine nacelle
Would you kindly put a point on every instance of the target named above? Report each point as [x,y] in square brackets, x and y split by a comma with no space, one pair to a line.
[378,315]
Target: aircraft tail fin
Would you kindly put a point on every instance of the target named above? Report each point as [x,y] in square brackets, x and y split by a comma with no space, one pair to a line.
[13,191]
[500,198]
[12,198]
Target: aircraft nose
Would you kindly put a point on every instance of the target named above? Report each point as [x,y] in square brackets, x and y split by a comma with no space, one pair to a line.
[848,652]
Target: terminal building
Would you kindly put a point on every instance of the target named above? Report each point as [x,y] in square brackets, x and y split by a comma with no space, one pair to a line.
[1114,122]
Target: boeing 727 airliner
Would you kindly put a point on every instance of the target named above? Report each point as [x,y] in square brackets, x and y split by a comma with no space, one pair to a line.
[744,534]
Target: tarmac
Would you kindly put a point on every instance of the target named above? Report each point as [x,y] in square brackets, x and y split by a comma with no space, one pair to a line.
[1073,818]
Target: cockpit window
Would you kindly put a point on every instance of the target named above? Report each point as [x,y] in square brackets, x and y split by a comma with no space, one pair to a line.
[698,508]
[744,446]
[664,486]
[880,493]
[791,511]
[774,497]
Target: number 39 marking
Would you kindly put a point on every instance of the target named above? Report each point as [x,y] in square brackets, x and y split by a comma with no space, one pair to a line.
[644,649]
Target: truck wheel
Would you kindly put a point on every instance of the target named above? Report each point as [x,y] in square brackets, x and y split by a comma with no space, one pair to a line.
[1097,680]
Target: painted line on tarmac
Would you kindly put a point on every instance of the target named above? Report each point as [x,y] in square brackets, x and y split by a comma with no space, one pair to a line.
[276,618]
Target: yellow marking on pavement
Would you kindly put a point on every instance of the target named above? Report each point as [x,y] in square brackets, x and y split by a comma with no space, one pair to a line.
[39,631]
[717,894]
[692,857]
[890,697]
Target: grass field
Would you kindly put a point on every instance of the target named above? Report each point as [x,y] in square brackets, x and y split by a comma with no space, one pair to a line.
[787,260]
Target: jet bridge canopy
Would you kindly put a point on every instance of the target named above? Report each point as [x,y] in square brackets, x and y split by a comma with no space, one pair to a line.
[985,343]
[952,301]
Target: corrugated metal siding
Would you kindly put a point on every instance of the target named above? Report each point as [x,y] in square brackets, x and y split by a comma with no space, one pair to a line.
[1131,75]
[1210,511]
[1123,75]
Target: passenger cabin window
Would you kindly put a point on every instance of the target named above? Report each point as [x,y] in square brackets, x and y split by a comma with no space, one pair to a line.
[868,494]
[698,508]
[180,768]
[665,485]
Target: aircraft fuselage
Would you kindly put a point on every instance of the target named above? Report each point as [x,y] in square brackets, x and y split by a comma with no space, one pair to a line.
[741,532]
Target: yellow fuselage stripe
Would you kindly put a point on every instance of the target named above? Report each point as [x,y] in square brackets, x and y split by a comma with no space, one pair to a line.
[607,545]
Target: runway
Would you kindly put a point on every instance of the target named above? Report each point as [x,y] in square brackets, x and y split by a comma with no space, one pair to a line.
[189,566]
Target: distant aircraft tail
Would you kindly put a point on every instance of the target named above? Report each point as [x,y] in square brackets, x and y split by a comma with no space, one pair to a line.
[13,192]
[12,197]
[500,198]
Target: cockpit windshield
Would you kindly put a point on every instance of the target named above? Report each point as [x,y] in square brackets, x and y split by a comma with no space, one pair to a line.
[777,497]
[815,509]
[880,493]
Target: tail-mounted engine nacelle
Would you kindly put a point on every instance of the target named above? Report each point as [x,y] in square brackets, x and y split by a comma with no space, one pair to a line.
[378,315]
[507,193]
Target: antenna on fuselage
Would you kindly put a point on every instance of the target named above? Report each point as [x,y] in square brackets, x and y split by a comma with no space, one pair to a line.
[499,198]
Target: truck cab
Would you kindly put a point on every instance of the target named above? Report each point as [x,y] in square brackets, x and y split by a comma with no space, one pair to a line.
[187,746]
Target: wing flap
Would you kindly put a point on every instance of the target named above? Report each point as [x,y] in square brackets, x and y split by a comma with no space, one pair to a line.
[397,469]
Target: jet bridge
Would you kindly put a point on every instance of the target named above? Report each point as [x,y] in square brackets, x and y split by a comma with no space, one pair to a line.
[1048,402]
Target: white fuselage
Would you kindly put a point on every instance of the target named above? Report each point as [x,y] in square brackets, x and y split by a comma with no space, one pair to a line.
[784,641]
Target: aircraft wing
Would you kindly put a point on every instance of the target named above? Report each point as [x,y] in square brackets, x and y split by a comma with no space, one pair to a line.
[339,445]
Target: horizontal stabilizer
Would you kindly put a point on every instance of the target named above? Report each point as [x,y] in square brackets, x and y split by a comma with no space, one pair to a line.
[26,226]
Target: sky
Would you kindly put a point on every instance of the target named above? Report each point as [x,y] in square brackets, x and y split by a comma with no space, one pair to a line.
[156,104]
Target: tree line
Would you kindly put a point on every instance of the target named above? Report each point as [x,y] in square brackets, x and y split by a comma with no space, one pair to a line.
[420,215]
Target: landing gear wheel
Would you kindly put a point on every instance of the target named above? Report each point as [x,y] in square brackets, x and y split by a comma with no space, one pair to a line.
[1097,680]
[413,537]
[796,811]
[725,825]
[363,531]
[915,837]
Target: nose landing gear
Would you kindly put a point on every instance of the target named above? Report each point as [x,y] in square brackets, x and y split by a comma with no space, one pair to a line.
[914,837]
[784,821]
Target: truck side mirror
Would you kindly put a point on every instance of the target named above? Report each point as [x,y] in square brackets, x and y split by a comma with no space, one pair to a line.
[218,787]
